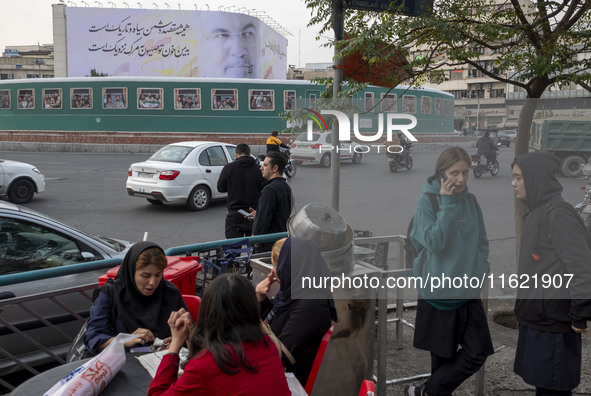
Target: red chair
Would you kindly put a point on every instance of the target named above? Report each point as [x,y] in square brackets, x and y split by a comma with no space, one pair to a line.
[193,303]
[367,388]
[318,360]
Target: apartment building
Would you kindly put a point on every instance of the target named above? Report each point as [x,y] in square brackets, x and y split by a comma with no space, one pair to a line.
[27,61]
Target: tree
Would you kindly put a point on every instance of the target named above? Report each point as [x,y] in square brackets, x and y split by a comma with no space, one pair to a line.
[94,73]
[536,42]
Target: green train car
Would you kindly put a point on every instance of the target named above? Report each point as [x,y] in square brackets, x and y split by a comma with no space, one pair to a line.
[202,105]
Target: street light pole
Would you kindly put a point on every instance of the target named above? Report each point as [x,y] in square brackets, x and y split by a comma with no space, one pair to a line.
[338,21]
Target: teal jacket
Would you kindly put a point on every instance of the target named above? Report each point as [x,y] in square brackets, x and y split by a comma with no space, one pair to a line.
[452,248]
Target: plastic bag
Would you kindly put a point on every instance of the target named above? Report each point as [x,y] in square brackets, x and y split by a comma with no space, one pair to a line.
[93,376]
[294,385]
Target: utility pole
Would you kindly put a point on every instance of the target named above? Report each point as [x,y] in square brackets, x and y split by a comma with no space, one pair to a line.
[338,21]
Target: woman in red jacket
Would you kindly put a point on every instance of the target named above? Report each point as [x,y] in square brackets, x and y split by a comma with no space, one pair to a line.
[228,354]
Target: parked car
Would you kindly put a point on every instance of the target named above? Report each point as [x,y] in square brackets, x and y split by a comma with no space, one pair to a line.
[30,240]
[318,149]
[503,139]
[20,181]
[183,172]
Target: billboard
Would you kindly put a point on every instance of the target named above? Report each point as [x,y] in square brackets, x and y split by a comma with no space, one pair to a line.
[175,43]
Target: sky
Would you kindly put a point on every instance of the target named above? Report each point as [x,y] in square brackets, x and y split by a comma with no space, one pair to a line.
[28,22]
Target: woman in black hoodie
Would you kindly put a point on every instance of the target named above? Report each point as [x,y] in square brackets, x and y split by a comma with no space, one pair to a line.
[555,265]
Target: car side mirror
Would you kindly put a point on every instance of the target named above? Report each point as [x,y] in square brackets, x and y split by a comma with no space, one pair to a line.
[87,256]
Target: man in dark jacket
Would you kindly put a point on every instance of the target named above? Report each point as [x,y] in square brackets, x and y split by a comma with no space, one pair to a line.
[275,202]
[243,182]
[554,263]
[487,147]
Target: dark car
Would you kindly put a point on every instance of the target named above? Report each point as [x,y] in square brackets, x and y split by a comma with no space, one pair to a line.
[503,139]
[30,241]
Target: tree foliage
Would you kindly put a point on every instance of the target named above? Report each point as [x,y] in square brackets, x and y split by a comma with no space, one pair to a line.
[535,43]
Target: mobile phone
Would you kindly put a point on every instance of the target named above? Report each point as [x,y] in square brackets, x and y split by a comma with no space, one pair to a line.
[441,175]
[245,213]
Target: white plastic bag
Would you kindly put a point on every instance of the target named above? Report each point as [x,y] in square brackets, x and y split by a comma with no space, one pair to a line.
[93,376]
[294,385]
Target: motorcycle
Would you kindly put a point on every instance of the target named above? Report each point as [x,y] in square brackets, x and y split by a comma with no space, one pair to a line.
[396,161]
[480,165]
[290,168]
[584,208]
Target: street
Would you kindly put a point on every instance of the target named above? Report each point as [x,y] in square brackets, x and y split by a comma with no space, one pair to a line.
[88,191]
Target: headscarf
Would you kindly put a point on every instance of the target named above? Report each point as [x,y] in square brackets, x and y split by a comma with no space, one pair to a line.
[541,186]
[134,309]
[307,262]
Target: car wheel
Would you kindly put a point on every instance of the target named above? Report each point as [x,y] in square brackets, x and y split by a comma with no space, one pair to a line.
[199,198]
[571,166]
[21,191]
[357,158]
[325,160]
[154,201]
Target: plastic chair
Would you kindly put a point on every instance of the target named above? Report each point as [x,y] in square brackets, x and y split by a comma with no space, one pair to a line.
[318,360]
[367,388]
[193,303]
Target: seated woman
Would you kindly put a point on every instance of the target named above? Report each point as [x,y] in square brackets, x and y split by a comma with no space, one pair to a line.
[138,302]
[228,353]
[298,316]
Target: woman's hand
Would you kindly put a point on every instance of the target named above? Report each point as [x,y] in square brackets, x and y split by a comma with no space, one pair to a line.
[447,187]
[180,323]
[144,336]
[264,286]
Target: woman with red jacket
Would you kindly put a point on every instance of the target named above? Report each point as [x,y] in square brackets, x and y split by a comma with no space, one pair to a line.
[228,353]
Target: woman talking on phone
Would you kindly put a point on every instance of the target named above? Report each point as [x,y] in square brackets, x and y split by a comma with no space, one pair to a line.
[449,236]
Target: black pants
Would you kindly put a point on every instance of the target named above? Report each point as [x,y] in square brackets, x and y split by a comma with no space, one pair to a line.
[469,326]
[237,226]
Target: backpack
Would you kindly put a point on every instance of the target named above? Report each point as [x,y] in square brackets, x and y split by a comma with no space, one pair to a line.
[410,251]
[543,226]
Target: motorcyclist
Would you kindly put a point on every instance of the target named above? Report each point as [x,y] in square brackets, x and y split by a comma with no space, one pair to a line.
[273,142]
[405,143]
[487,147]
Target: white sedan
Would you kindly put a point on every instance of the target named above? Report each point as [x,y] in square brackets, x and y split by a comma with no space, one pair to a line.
[182,172]
[318,150]
[20,181]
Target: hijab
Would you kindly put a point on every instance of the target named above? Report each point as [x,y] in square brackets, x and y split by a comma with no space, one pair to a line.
[300,257]
[134,309]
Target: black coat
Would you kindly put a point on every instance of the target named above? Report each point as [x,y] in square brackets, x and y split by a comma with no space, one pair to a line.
[243,181]
[274,207]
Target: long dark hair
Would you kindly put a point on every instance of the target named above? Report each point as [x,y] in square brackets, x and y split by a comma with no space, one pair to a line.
[228,315]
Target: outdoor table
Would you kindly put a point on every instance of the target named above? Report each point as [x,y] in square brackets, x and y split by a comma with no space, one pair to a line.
[133,379]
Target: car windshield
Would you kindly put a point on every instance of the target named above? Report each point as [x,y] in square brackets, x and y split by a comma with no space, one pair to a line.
[175,154]
[304,137]
[503,134]
[115,245]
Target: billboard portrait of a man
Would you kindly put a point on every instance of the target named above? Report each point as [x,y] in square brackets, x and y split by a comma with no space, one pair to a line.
[229,45]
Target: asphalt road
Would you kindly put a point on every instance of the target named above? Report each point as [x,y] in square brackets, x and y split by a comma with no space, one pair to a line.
[87,190]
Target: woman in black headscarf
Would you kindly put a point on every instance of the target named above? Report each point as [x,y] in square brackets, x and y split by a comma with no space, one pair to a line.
[298,316]
[139,301]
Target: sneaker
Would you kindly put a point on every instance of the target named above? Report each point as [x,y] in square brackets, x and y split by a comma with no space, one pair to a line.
[411,390]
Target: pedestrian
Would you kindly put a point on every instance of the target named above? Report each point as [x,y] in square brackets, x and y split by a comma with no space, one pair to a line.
[275,202]
[243,181]
[449,236]
[556,246]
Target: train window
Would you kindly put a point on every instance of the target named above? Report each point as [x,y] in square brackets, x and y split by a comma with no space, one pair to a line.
[52,98]
[5,99]
[81,98]
[187,99]
[437,106]
[289,100]
[114,98]
[149,98]
[409,104]
[224,99]
[369,101]
[388,103]
[448,109]
[26,99]
[259,99]
[425,105]
[312,99]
